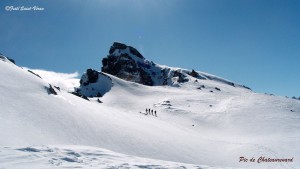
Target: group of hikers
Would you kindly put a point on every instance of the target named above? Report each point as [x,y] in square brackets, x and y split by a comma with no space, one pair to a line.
[150,112]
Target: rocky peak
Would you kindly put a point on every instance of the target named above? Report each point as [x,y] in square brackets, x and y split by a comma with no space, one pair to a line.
[122,48]
[127,63]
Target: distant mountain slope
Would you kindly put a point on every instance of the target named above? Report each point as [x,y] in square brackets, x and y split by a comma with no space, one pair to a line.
[127,63]
[201,122]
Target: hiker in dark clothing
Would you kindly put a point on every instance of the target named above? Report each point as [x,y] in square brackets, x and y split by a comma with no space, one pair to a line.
[155,113]
[146,110]
[152,112]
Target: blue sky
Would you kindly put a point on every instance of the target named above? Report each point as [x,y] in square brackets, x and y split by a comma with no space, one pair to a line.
[251,42]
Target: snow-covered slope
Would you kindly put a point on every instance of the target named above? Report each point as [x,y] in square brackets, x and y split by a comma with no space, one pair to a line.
[203,122]
[80,157]
[66,81]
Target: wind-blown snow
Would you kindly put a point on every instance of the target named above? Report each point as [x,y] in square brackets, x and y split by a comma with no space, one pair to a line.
[203,126]
[66,81]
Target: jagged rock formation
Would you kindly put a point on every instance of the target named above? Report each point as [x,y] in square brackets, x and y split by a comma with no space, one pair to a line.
[93,84]
[91,77]
[51,90]
[127,63]
[5,58]
[11,60]
[194,74]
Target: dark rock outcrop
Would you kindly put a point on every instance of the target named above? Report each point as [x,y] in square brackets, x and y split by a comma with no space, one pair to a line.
[125,62]
[117,45]
[194,73]
[295,98]
[79,95]
[92,77]
[11,60]
[247,87]
[181,77]
[51,90]
[135,52]
[128,63]
[5,58]
[217,88]
[34,74]
[58,88]
[93,84]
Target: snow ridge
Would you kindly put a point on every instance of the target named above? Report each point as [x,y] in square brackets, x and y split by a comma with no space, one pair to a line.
[127,63]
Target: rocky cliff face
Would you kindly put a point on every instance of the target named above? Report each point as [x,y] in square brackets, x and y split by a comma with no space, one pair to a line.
[5,58]
[93,84]
[127,63]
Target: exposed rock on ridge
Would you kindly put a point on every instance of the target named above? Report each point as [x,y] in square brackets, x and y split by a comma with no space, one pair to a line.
[124,62]
[127,63]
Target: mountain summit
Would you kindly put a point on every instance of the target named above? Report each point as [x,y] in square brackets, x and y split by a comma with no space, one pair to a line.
[129,64]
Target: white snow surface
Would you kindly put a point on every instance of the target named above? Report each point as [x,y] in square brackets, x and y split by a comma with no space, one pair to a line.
[200,128]
[80,157]
[65,81]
